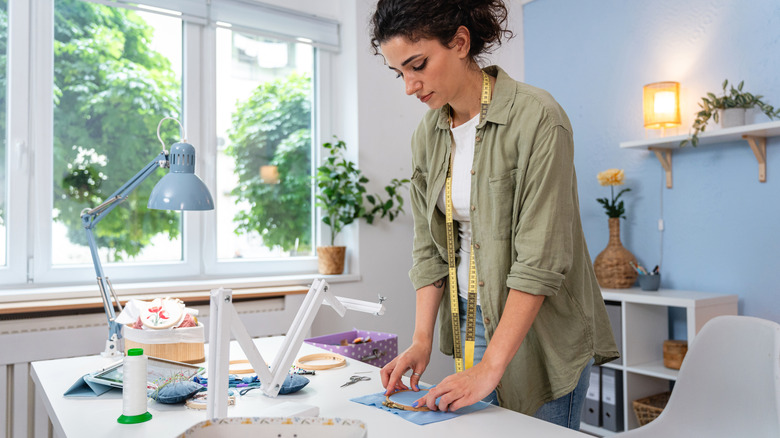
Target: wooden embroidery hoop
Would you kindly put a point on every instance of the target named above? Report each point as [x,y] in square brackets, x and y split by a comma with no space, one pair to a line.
[338,361]
[395,405]
[249,370]
[199,401]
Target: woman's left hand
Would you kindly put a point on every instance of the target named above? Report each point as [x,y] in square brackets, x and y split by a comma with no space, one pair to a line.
[462,389]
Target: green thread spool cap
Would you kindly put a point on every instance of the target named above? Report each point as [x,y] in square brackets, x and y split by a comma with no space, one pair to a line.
[134,419]
[135,352]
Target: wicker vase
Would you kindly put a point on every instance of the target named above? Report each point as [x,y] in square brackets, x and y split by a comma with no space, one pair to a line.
[611,266]
[330,259]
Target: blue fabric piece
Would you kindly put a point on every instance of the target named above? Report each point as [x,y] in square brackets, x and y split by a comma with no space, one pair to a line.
[421,418]
[292,383]
[175,392]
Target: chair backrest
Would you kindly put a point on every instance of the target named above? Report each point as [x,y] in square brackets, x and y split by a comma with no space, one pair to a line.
[729,383]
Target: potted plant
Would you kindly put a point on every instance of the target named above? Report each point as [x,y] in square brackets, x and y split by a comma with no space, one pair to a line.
[720,107]
[613,265]
[341,193]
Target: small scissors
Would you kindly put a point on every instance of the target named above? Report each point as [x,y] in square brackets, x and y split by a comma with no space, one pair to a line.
[355,379]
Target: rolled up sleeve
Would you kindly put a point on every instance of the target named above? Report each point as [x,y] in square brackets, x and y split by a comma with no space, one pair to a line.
[543,235]
[427,264]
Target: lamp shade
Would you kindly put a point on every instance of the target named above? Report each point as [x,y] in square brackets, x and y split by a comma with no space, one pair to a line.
[661,102]
[181,189]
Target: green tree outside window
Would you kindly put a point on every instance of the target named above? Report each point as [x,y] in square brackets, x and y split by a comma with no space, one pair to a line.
[110,91]
[273,127]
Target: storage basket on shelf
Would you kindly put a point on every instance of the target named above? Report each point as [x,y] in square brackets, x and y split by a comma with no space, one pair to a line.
[649,408]
[674,353]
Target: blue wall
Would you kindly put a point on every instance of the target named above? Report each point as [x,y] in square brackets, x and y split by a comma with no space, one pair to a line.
[722,227]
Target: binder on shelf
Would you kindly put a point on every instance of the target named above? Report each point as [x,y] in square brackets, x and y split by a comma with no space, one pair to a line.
[615,319]
[612,399]
[591,409]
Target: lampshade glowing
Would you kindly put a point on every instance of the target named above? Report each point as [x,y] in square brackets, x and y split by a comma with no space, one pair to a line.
[661,102]
[181,189]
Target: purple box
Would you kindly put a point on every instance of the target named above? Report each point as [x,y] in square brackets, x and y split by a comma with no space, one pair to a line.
[382,349]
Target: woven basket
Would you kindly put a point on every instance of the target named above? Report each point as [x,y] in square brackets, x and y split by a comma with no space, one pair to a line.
[612,267]
[187,352]
[674,353]
[330,259]
[649,408]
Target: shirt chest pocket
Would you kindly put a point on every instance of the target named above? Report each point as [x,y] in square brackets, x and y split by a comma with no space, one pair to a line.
[502,194]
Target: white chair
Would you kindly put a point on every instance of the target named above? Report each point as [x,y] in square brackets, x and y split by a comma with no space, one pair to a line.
[728,385]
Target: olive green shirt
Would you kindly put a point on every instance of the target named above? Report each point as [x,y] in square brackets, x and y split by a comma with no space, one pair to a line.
[526,235]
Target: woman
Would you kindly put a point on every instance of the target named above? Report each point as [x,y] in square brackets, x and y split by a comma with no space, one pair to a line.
[541,321]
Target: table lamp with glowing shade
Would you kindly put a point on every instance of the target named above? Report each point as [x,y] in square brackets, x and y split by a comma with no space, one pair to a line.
[661,103]
[180,189]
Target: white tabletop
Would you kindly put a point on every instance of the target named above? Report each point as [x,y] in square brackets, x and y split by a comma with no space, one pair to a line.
[96,417]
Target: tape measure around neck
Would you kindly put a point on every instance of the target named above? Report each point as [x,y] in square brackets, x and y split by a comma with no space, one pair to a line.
[463,360]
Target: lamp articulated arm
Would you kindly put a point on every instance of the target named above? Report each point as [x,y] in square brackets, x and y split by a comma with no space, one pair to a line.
[89,219]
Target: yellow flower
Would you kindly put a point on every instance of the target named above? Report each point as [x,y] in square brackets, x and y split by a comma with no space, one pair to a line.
[611,177]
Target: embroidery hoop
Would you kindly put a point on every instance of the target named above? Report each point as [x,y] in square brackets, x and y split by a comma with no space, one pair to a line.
[393,404]
[173,306]
[199,401]
[339,361]
[249,370]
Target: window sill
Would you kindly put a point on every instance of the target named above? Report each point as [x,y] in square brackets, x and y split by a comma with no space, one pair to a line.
[87,298]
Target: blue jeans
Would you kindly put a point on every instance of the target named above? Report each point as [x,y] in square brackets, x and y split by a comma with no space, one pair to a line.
[564,411]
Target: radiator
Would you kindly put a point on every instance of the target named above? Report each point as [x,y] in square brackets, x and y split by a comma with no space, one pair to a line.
[22,341]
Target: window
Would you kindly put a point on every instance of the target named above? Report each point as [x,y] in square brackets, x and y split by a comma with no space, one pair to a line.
[3,131]
[98,77]
[117,72]
[264,131]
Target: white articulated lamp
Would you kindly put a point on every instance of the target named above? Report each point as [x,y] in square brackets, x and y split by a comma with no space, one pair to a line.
[224,320]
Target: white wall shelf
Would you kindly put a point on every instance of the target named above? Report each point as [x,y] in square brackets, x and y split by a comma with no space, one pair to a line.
[755,135]
[644,328]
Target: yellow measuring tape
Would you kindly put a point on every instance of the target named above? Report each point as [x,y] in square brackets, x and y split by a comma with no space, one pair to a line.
[462,362]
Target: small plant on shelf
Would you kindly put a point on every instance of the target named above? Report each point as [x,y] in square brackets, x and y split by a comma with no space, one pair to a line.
[712,107]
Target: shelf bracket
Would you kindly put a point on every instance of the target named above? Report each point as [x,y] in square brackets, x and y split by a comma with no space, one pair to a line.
[758,145]
[665,157]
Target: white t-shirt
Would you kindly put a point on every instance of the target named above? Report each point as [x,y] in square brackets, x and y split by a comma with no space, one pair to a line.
[463,149]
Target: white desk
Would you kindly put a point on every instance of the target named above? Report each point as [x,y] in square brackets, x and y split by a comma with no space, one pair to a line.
[96,417]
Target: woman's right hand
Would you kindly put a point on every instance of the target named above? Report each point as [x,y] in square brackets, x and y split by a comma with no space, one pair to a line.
[415,358]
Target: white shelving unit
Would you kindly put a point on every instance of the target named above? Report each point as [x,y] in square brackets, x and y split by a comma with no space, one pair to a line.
[645,326]
[755,135]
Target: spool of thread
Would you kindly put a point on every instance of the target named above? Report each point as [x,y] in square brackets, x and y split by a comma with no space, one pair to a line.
[134,388]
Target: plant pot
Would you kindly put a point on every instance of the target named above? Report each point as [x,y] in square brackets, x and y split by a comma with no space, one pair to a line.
[330,259]
[731,117]
[612,268]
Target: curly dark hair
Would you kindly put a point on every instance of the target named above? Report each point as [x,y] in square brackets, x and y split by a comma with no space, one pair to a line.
[440,19]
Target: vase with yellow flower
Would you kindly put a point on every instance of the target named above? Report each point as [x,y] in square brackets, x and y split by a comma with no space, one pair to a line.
[612,266]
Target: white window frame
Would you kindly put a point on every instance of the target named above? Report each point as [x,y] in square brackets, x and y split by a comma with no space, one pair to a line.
[18,144]
[30,142]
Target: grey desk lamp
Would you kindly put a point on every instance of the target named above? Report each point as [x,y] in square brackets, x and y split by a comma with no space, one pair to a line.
[180,189]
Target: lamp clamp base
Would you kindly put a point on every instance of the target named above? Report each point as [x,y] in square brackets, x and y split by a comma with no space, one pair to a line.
[112,347]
